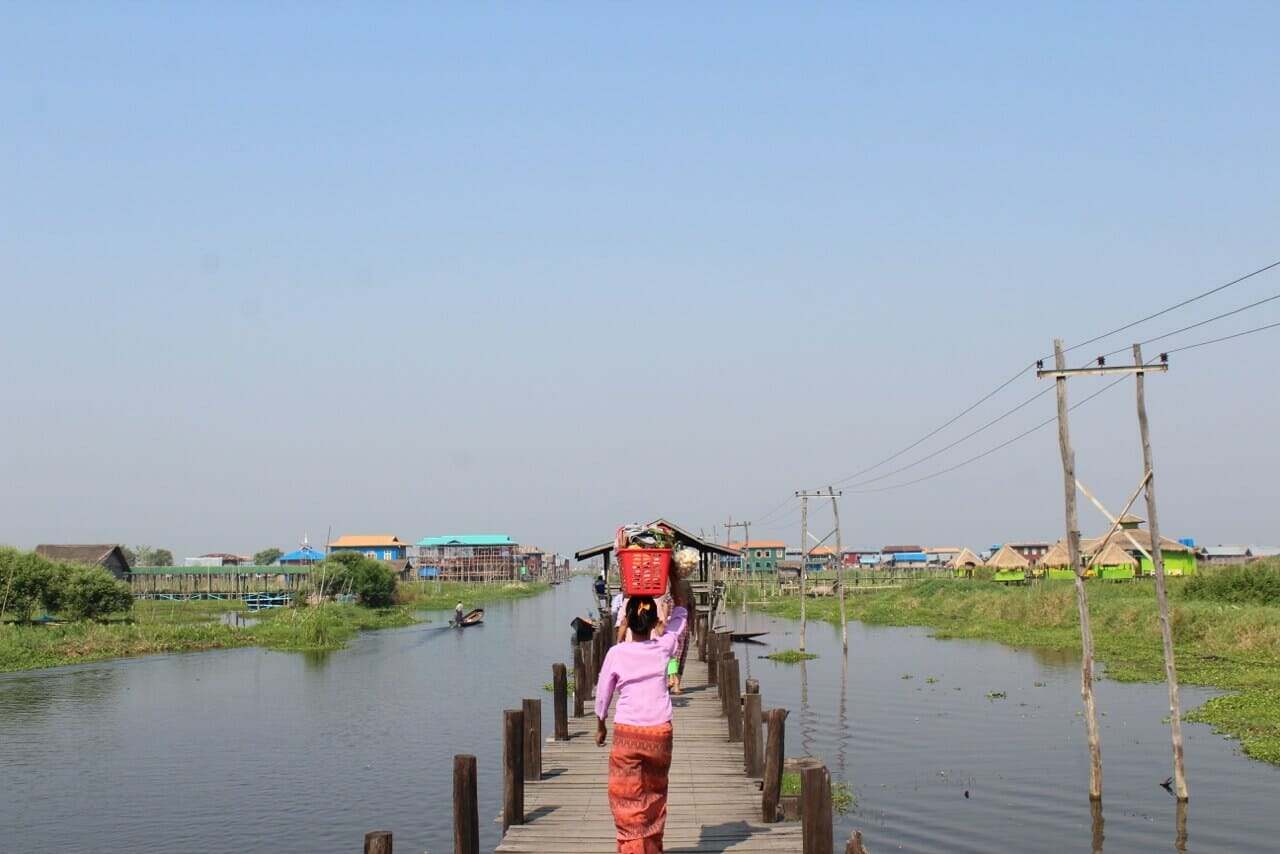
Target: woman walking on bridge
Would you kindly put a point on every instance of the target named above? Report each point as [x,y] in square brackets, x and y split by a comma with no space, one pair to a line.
[640,760]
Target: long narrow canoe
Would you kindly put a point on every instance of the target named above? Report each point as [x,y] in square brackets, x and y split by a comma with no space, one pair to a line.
[472,618]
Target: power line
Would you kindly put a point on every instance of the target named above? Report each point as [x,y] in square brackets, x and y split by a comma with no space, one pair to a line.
[1174,307]
[991,450]
[1201,323]
[1020,372]
[1225,338]
[964,438]
[942,426]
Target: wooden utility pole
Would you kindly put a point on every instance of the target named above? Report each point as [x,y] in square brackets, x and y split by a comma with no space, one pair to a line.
[1060,374]
[804,557]
[1082,596]
[844,620]
[1157,560]
[742,563]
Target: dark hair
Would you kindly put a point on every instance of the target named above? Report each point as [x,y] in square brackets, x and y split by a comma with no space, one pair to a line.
[642,614]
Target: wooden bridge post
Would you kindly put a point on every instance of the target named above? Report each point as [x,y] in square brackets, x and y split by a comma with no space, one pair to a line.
[776,720]
[815,809]
[701,624]
[377,842]
[532,709]
[579,682]
[466,806]
[560,693]
[752,741]
[722,681]
[512,768]
[733,699]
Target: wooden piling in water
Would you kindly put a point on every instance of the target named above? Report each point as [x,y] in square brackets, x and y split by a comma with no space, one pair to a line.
[377,842]
[733,699]
[532,708]
[579,681]
[815,809]
[560,695]
[752,735]
[775,746]
[512,768]
[466,806]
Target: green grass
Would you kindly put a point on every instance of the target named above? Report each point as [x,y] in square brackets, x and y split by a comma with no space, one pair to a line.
[791,656]
[1221,644]
[162,626]
[429,596]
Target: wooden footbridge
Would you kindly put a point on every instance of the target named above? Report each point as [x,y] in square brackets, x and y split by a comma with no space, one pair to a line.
[724,785]
[713,805]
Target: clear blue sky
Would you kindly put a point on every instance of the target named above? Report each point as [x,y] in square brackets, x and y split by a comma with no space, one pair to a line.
[275,269]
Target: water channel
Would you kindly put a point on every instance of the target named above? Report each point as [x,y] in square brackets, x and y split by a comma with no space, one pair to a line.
[945,745]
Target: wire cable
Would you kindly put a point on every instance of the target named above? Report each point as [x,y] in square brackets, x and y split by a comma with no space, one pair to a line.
[941,427]
[1196,325]
[963,438]
[1174,307]
[1224,338]
[992,450]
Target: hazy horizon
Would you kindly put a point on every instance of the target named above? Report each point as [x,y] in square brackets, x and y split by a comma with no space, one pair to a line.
[278,270]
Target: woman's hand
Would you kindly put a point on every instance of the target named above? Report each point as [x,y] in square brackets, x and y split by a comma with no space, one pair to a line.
[601,732]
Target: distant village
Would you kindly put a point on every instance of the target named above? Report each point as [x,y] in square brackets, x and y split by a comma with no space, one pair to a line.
[1125,553]
[490,558]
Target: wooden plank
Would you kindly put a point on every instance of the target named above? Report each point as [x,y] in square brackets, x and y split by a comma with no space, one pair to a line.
[712,805]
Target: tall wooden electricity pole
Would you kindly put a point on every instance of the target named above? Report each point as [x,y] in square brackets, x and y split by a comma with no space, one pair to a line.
[1060,374]
[1157,560]
[742,564]
[804,557]
[1082,596]
[844,621]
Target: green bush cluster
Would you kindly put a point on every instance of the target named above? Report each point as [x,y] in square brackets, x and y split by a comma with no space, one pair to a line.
[372,582]
[75,592]
[1252,584]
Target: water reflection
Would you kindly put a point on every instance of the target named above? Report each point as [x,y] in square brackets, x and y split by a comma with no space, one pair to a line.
[88,751]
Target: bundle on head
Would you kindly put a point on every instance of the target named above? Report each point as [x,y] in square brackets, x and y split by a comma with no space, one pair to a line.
[642,614]
[685,560]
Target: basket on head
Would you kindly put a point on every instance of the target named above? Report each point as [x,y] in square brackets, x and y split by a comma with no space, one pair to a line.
[644,571]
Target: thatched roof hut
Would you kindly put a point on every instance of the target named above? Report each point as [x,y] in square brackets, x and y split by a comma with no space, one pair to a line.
[1007,558]
[1056,557]
[965,558]
[1114,555]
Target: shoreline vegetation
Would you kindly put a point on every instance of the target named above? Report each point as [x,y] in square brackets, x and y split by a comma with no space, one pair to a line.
[1225,622]
[165,627]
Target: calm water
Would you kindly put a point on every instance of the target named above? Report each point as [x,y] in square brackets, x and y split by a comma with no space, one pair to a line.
[247,750]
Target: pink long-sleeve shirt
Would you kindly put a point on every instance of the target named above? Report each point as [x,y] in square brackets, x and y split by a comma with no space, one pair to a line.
[637,671]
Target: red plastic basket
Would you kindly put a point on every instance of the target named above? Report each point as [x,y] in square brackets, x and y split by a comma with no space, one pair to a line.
[644,571]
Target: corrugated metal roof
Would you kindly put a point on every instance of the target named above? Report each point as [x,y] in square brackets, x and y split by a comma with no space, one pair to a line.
[366,541]
[1226,551]
[468,540]
[303,554]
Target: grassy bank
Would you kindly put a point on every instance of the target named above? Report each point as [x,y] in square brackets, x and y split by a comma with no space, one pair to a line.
[171,627]
[443,596]
[1233,646]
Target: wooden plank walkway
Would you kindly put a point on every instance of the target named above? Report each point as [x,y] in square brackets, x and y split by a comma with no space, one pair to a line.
[712,805]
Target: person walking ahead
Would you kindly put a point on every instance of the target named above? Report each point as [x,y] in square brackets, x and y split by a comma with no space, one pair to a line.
[640,760]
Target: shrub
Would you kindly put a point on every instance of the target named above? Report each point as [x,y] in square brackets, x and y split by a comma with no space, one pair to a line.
[1252,584]
[91,593]
[27,580]
[372,582]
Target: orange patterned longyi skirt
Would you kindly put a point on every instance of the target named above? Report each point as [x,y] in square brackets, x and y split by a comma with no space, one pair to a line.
[638,767]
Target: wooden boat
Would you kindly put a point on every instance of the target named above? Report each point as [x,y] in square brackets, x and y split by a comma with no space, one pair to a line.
[472,618]
[584,628]
[747,637]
